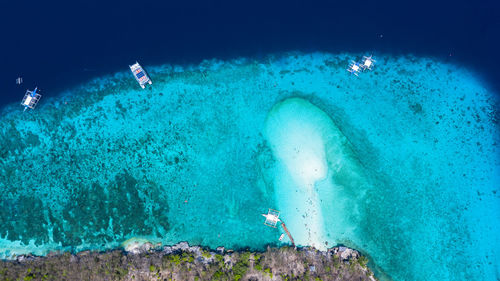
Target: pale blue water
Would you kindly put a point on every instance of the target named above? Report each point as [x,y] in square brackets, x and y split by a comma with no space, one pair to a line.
[405,162]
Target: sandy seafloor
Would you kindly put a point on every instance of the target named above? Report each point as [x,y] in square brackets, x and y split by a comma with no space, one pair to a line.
[401,163]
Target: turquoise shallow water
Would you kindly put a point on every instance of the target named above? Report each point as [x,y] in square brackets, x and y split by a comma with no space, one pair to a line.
[406,162]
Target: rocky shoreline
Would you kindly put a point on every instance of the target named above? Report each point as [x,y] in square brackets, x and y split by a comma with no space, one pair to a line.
[183,262]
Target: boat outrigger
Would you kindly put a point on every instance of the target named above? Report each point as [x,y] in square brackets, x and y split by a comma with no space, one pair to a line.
[140,75]
[31,99]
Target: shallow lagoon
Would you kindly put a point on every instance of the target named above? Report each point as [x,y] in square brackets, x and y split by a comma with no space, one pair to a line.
[190,159]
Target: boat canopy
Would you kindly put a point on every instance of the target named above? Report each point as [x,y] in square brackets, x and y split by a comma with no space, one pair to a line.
[31,99]
[272,217]
[140,75]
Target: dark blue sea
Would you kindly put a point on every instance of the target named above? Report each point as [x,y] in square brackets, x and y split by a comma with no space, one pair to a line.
[58,44]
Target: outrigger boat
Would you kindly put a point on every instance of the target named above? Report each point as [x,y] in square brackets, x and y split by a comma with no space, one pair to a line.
[367,63]
[140,75]
[354,68]
[31,99]
[272,218]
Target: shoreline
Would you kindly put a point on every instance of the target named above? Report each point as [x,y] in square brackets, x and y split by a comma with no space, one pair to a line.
[145,261]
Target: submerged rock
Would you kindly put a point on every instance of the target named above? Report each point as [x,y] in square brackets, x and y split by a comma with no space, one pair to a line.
[183,262]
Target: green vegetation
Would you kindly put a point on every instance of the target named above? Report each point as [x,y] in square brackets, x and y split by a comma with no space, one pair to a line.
[336,264]
[268,271]
[176,259]
[152,268]
[351,266]
[363,261]
[217,275]
[219,258]
[121,272]
[257,264]
[245,256]
[206,254]
[240,268]
[187,257]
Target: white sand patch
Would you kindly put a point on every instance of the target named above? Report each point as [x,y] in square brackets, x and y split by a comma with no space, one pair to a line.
[136,245]
[11,249]
[296,131]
